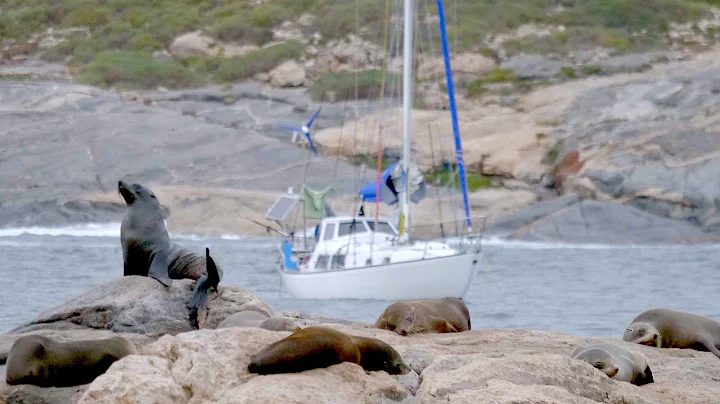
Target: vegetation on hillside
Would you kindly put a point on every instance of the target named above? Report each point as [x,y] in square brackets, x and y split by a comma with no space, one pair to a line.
[445,177]
[134,28]
[348,85]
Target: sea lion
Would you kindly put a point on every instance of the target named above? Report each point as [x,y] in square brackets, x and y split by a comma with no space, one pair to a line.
[665,328]
[616,362]
[280,323]
[245,318]
[320,347]
[448,314]
[148,251]
[45,362]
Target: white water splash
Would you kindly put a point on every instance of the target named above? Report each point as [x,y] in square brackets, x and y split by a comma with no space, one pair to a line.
[85,230]
[548,245]
[112,230]
[98,230]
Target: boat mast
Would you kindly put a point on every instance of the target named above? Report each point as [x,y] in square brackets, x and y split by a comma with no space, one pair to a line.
[453,109]
[407,108]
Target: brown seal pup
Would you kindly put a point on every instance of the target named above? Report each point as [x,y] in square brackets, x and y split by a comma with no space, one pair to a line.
[616,362]
[45,362]
[665,328]
[148,251]
[448,314]
[321,347]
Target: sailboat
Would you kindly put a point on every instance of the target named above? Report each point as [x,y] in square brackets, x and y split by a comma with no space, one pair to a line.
[358,257]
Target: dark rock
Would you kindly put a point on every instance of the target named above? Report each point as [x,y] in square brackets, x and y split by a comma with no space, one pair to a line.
[688,144]
[633,62]
[610,222]
[533,66]
[530,214]
[70,141]
[137,307]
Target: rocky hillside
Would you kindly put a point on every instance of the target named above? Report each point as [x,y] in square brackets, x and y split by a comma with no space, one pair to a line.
[606,104]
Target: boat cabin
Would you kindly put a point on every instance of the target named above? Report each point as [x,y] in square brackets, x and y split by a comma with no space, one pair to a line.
[334,228]
[335,234]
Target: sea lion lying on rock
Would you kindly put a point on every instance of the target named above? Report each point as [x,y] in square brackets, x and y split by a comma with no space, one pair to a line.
[448,314]
[252,318]
[616,362]
[665,328]
[148,251]
[321,347]
[45,362]
[245,318]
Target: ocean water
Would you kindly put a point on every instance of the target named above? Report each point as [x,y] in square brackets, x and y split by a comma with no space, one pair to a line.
[586,290]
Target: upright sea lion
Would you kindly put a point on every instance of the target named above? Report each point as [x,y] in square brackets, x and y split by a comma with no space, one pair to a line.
[448,314]
[148,251]
[45,362]
[665,328]
[616,362]
[320,347]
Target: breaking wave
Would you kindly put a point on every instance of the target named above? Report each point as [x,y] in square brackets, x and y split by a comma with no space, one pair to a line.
[97,230]
[113,230]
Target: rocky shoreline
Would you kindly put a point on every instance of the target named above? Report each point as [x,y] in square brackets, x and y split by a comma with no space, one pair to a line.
[578,161]
[176,364]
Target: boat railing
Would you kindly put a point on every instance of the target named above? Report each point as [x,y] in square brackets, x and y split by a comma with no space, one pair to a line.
[457,231]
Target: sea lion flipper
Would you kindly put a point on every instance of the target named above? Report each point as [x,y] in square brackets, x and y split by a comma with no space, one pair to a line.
[199,296]
[449,327]
[711,347]
[159,268]
[441,325]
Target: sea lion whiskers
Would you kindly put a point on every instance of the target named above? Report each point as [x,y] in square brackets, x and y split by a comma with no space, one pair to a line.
[417,330]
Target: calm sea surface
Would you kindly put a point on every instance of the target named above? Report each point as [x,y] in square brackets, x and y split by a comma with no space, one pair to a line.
[591,291]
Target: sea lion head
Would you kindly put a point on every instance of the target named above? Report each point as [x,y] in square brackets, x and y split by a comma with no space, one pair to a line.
[600,360]
[398,317]
[26,361]
[643,334]
[136,193]
[376,355]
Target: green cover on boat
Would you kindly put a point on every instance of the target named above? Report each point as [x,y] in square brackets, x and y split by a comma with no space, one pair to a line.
[315,202]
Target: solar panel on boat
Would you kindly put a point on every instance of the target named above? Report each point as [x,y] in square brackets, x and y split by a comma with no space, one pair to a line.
[281,208]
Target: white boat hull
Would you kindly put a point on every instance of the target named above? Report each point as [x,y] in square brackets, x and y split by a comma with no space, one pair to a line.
[422,279]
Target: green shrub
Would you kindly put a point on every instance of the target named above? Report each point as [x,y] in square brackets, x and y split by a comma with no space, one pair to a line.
[87,17]
[630,15]
[344,85]
[261,60]
[569,72]
[592,69]
[474,181]
[21,23]
[498,75]
[135,70]
[553,153]
[476,88]
[237,29]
